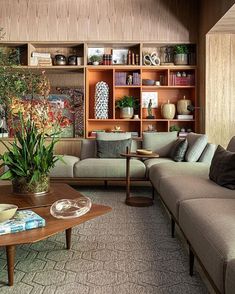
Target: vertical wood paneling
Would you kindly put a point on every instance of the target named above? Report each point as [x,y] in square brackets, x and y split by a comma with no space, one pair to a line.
[110,20]
[220,88]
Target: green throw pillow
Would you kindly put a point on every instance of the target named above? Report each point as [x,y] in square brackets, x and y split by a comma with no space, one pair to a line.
[112,149]
[179,149]
[222,169]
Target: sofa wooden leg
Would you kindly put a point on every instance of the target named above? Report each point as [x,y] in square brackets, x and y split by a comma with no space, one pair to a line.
[172,227]
[191,262]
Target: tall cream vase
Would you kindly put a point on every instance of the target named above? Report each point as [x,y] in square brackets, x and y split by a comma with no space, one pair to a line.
[168,110]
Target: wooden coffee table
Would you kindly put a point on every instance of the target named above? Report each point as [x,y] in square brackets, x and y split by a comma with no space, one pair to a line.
[53,226]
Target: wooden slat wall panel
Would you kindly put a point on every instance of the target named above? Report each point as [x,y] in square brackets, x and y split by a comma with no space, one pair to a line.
[220,88]
[111,20]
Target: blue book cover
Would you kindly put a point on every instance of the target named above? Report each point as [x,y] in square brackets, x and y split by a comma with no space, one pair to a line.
[22,220]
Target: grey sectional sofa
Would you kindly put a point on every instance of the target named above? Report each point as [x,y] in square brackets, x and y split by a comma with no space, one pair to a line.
[89,167]
[205,212]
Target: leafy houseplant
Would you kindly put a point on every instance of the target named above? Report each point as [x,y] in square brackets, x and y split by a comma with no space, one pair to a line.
[23,96]
[181,54]
[127,105]
[95,59]
[29,159]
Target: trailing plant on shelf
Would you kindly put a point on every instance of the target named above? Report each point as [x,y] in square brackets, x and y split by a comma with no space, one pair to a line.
[127,106]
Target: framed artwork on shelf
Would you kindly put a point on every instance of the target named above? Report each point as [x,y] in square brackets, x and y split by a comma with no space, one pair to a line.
[95,51]
[120,56]
[147,96]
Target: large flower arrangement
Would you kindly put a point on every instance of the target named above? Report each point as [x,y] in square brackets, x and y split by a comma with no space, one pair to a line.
[29,158]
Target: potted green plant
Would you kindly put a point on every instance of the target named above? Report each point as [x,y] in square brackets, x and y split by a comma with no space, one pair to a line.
[181,54]
[95,59]
[24,97]
[127,105]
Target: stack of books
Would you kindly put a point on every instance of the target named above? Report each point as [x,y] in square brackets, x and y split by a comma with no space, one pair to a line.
[22,221]
[120,78]
[41,59]
[136,78]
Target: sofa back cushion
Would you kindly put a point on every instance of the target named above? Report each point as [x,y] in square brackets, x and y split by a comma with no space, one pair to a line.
[196,145]
[208,153]
[231,145]
[159,142]
[222,169]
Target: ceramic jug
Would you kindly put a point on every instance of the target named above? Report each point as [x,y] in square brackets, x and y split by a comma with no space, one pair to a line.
[182,105]
[168,110]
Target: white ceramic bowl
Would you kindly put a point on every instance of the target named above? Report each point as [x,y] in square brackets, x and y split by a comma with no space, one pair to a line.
[7,211]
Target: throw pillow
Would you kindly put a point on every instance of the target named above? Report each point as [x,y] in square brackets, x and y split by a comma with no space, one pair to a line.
[112,149]
[196,145]
[179,149]
[222,169]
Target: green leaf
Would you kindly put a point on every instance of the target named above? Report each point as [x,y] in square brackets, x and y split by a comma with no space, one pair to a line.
[8,175]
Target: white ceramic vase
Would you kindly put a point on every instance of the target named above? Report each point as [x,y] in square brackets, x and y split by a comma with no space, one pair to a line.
[126,112]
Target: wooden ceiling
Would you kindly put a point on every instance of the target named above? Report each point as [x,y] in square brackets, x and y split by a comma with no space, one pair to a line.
[226,24]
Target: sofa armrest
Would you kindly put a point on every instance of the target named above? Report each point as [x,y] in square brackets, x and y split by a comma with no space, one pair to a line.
[65,168]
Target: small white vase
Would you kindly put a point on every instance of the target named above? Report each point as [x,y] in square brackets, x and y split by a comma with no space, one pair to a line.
[95,63]
[126,112]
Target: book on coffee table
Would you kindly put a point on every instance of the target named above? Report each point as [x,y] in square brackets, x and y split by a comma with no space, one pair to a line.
[23,220]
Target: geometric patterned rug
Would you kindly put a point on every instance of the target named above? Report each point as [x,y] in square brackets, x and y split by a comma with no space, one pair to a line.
[127,251]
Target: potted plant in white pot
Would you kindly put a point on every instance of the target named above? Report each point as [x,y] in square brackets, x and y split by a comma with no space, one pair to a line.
[181,54]
[127,105]
[95,59]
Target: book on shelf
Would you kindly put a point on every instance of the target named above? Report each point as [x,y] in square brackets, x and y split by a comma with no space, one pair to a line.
[185,116]
[41,61]
[41,55]
[22,221]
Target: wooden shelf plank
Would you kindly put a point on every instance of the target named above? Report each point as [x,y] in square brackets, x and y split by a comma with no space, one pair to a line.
[167,87]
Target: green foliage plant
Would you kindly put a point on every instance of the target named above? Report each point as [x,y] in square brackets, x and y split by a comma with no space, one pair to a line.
[181,49]
[29,156]
[95,58]
[127,101]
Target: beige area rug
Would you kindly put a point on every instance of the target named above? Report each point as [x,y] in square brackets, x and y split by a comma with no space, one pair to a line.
[128,251]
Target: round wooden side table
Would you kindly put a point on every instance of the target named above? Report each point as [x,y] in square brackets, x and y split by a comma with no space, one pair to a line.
[138,201]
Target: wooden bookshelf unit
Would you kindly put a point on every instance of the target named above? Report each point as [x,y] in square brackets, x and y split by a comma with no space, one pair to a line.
[169,86]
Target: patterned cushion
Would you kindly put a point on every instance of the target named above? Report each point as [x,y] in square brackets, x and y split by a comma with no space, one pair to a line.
[222,170]
[179,149]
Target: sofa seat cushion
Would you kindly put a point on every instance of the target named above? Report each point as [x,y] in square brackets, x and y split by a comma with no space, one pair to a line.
[229,277]
[174,190]
[64,169]
[209,225]
[156,161]
[171,169]
[108,168]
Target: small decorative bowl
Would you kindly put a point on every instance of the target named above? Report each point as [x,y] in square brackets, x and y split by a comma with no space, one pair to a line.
[147,82]
[7,211]
[144,151]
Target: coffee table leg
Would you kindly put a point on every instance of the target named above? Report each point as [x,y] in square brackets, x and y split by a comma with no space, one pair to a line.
[68,233]
[10,263]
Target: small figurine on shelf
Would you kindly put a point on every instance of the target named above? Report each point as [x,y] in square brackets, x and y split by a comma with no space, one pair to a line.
[129,80]
[150,110]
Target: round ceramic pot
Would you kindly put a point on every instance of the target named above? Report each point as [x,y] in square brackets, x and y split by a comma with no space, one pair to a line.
[168,110]
[181,59]
[126,112]
[22,186]
[182,106]
[96,63]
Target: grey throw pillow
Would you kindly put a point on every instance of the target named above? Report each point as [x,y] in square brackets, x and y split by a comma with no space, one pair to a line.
[112,149]
[222,170]
[179,149]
